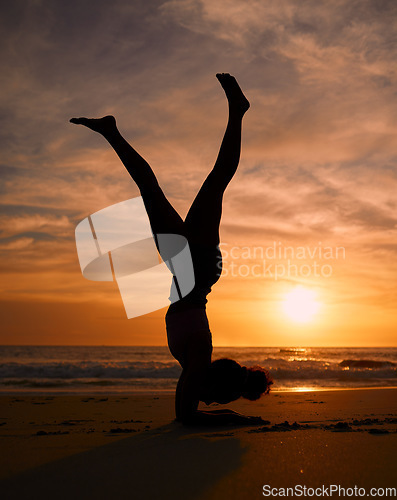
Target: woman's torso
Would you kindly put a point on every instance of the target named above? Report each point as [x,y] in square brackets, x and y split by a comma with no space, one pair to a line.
[186,319]
[185,329]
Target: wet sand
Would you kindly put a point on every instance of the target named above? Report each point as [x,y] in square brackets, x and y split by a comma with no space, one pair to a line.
[129,446]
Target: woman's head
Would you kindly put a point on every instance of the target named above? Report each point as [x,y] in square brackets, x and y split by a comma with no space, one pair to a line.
[227,381]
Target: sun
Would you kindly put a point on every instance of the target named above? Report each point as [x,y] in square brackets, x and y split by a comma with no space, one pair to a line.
[301,305]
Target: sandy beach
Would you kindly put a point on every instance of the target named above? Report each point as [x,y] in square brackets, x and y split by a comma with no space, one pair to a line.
[129,446]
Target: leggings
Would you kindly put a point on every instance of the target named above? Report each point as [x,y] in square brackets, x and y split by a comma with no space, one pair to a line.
[201,225]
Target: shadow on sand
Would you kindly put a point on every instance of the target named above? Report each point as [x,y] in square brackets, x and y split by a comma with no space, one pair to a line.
[167,462]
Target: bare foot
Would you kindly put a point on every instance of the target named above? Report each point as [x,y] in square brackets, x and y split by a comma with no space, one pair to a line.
[101,125]
[237,100]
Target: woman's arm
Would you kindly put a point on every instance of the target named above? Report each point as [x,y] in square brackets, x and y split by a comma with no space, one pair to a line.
[190,383]
[188,392]
[187,401]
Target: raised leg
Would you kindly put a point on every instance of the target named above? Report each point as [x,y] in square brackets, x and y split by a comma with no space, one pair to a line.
[203,219]
[162,215]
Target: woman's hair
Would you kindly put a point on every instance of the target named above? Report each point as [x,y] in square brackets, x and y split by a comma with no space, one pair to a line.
[228,380]
[258,382]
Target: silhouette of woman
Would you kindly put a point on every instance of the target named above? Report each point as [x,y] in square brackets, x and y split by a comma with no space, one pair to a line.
[188,332]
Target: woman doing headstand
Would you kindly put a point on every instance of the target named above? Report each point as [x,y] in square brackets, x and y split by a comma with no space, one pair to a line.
[188,332]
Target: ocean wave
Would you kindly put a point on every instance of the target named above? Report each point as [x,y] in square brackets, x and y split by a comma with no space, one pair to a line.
[333,374]
[87,369]
[166,383]
[365,363]
[294,350]
[122,370]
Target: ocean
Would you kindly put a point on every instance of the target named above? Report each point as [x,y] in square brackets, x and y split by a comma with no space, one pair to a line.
[117,369]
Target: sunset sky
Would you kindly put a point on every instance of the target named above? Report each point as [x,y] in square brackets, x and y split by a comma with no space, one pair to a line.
[318,172]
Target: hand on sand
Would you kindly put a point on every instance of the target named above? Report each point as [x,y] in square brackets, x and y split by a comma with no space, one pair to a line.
[255,421]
